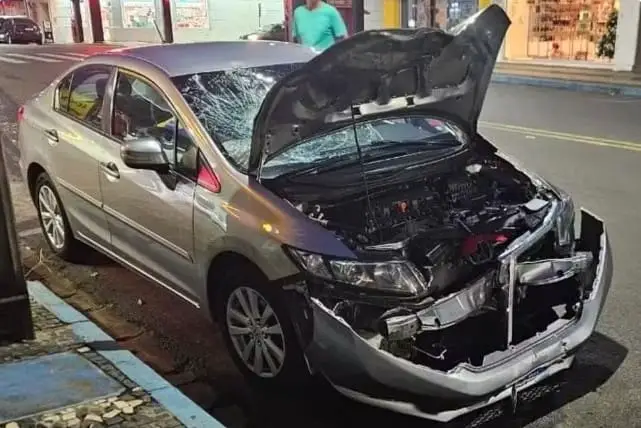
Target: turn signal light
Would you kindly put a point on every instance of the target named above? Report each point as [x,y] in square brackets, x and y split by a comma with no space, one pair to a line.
[207,178]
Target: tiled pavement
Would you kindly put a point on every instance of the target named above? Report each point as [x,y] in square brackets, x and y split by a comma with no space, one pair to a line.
[73,375]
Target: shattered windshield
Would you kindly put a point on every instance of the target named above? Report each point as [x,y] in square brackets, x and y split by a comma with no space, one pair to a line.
[390,136]
[226,103]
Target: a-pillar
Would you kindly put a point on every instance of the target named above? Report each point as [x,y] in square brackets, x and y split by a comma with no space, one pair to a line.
[627,50]
[96,21]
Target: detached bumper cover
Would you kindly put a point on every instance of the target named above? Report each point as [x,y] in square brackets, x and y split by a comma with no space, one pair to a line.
[361,371]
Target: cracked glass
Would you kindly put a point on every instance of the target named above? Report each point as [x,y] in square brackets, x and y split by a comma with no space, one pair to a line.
[226,103]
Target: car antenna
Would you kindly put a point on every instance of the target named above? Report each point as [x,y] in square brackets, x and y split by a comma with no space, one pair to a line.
[362,163]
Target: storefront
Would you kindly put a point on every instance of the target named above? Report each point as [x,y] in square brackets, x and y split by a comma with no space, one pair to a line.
[564,32]
[194,20]
[560,30]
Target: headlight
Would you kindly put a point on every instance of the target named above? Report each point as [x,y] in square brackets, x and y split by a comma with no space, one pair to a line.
[565,220]
[252,37]
[565,225]
[397,276]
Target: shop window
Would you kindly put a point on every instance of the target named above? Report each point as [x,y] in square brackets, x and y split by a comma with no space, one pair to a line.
[557,29]
[138,13]
[192,14]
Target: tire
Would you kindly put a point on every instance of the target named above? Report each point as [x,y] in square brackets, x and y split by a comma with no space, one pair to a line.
[293,370]
[67,248]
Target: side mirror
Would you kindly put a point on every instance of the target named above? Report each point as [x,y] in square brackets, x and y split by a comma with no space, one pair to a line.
[145,153]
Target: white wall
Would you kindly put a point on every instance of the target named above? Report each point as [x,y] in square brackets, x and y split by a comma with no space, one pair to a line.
[627,49]
[61,13]
[375,18]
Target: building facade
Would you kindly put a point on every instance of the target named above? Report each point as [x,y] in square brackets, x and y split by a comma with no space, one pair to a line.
[564,32]
[559,32]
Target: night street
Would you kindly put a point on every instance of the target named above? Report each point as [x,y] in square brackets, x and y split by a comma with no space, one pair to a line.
[588,144]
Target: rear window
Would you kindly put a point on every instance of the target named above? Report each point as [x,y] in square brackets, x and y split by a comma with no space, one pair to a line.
[24,22]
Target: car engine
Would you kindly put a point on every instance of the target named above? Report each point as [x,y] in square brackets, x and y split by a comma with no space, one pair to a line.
[449,226]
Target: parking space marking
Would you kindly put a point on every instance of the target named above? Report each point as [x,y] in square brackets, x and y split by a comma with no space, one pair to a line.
[595,141]
[33,57]
[81,55]
[60,56]
[12,60]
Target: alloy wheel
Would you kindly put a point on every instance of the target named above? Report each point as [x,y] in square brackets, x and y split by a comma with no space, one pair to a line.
[51,217]
[256,332]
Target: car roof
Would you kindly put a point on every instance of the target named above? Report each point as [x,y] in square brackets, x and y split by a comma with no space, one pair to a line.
[189,58]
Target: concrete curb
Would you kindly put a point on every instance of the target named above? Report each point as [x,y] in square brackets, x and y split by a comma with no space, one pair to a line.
[571,85]
[185,410]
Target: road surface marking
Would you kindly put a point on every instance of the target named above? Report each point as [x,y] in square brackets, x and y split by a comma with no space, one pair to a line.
[59,56]
[33,57]
[81,55]
[595,141]
[12,60]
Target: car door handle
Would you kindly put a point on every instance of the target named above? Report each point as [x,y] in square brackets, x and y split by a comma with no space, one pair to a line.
[52,135]
[110,168]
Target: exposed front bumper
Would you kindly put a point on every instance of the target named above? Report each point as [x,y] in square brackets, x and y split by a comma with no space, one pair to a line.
[365,373]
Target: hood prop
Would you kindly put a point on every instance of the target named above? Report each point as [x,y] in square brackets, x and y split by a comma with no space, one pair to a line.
[353,110]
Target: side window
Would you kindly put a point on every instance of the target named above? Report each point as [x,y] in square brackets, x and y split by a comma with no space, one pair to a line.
[140,110]
[61,100]
[86,94]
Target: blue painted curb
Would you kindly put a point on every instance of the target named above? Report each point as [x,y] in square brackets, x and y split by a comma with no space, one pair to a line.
[571,85]
[185,410]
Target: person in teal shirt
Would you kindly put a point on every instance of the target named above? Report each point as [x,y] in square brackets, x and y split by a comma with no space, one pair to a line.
[318,25]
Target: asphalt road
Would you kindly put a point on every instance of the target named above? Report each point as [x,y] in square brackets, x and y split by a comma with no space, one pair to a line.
[588,144]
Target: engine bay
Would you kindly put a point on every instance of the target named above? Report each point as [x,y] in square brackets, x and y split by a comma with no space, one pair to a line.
[452,225]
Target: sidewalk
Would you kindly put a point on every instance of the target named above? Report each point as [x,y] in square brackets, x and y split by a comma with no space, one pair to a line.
[75,375]
[570,78]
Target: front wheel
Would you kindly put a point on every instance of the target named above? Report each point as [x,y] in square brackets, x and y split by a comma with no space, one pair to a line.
[259,332]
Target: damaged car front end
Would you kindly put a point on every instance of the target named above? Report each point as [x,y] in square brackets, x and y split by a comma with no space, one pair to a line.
[518,323]
[466,283]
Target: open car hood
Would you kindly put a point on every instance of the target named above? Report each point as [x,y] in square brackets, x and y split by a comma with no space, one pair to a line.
[379,72]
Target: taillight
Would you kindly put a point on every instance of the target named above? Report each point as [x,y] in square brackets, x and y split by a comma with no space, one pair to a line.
[20,114]
[207,178]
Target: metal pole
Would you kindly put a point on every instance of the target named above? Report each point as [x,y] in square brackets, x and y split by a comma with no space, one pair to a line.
[358,15]
[15,311]
[95,16]
[167,24]
[77,15]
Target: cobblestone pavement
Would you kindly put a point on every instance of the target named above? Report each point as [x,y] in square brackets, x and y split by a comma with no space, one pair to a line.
[131,408]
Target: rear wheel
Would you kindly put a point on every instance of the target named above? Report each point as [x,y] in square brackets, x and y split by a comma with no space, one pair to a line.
[53,221]
[258,331]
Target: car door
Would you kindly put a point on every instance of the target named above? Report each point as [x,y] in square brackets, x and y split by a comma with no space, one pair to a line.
[150,215]
[73,138]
